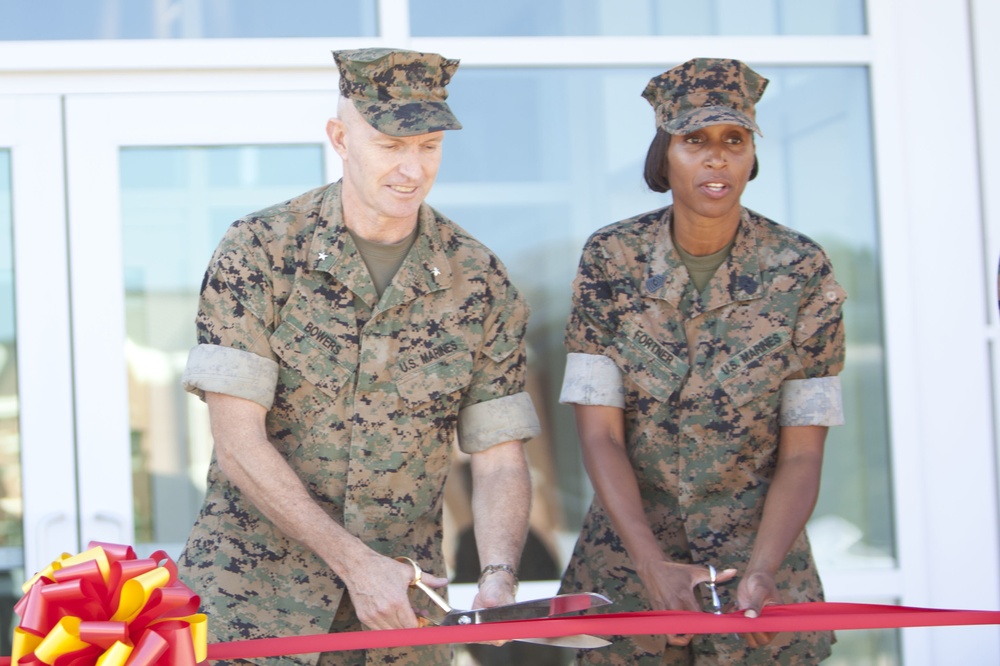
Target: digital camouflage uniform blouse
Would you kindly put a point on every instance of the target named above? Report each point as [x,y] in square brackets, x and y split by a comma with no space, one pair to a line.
[706,381]
[365,396]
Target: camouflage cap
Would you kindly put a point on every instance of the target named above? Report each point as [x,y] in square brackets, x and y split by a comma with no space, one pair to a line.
[703,92]
[398,92]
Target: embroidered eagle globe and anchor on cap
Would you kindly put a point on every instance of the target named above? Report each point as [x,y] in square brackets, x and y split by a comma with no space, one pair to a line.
[399,92]
[703,92]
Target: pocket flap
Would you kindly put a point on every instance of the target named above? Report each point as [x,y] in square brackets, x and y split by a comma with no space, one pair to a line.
[649,363]
[316,361]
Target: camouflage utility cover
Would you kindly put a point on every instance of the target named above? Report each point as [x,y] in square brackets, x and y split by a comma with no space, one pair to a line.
[366,409]
[702,377]
[400,93]
[703,92]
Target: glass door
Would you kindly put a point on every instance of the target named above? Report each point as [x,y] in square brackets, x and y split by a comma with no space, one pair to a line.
[155,180]
[37,477]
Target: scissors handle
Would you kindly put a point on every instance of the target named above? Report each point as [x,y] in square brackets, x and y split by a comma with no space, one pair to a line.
[424,587]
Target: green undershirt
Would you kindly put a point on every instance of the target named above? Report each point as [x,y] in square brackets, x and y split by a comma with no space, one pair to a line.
[701,269]
[383,259]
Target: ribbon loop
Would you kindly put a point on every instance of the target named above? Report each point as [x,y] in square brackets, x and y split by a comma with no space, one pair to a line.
[105,607]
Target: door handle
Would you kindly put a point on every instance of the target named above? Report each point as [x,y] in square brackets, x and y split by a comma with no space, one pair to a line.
[45,525]
[114,519]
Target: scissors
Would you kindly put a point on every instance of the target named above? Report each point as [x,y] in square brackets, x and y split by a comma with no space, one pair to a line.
[716,604]
[525,610]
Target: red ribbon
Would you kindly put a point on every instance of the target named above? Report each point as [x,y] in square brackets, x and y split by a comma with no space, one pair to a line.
[780,618]
[791,617]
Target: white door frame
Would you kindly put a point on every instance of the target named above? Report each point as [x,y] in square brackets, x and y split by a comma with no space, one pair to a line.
[936,313]
[31,127]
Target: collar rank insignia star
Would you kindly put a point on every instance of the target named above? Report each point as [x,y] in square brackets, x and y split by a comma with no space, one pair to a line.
[323,256]
[435,272]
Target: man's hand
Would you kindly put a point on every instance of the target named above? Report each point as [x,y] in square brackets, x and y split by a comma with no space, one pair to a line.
[671,587]
[755,591]
[497,589]
[379,590]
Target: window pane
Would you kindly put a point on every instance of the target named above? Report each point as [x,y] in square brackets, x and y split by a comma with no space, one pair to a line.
[11,532]
[176,205]
[548,156]
[870,646]
[188,19]
[817,176]
[457,18]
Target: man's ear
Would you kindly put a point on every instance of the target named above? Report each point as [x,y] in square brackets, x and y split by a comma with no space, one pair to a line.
[336,131]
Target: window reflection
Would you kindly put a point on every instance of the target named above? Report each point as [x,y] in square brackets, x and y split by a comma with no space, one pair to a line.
[176,205]
[817,176]
[187,19]
[637,17]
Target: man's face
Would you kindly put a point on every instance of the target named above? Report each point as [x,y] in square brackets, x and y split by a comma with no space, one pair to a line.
[386,178]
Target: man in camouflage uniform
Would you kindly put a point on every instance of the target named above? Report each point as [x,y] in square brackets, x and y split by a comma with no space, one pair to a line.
[704,347]
[346,337]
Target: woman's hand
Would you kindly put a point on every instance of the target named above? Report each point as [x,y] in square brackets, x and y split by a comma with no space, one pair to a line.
[755,591]
[789,503]
[671,585]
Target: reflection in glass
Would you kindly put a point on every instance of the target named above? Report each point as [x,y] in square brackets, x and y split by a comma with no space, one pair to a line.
[11,524]
[817,176]
[875,646]
[557,154]
[184,19]
[176,205]
[529,18]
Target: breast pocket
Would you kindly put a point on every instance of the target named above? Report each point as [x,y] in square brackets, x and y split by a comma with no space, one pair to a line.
[650,363]
[434,378]
[759,368]
[314,356]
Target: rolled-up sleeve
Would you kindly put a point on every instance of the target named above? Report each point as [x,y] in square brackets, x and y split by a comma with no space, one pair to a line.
[506,419]
[819,328]
[218,369]
[233,355]
[496,408]
[814,398]
[592,379]
[811,402]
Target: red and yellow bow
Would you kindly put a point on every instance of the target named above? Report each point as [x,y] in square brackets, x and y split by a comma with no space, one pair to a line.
[106,607]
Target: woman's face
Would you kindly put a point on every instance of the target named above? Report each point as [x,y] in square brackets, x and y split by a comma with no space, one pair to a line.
[708,170]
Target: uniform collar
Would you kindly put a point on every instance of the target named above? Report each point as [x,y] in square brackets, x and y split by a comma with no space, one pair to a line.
[737,279]
[425,269]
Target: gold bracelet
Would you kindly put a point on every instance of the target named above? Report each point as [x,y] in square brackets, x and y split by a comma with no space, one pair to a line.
[496,568]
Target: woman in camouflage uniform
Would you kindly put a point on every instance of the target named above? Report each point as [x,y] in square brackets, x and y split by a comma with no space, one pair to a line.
[704,347]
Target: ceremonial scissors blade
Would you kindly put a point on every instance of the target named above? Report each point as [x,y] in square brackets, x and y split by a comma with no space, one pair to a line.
[524,610]
[527,610]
